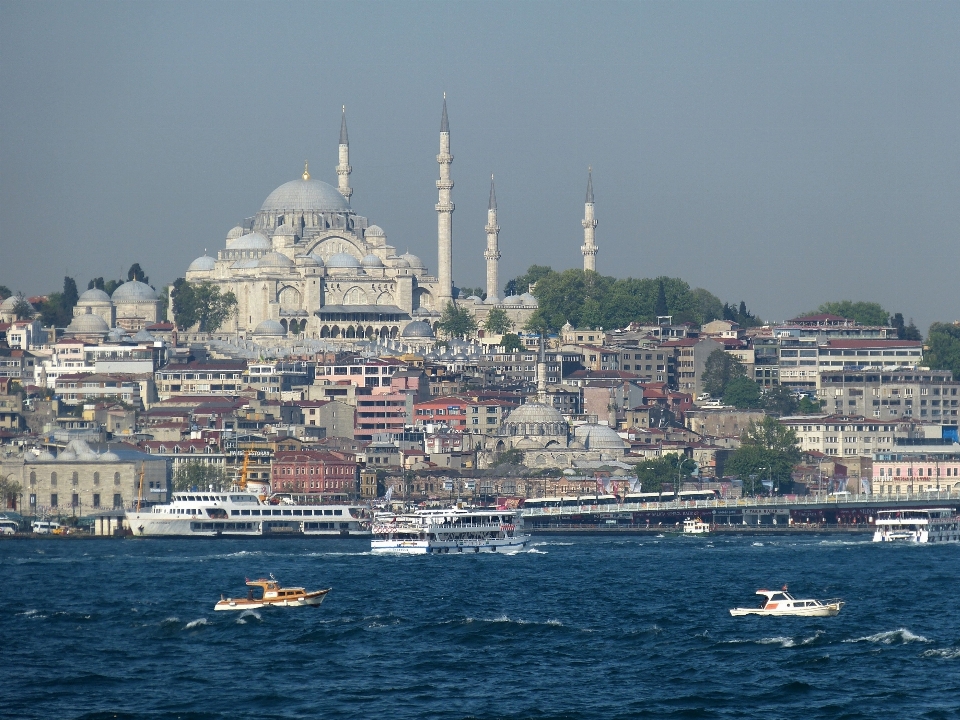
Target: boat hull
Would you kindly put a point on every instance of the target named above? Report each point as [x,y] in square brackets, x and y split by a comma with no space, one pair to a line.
[152,525]
[827,610]
[503,546]
[312,599]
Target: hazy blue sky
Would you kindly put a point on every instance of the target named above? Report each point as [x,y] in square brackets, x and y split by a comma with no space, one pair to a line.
[780,153]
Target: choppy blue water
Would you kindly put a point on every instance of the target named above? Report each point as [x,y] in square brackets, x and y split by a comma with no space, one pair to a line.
[579,627]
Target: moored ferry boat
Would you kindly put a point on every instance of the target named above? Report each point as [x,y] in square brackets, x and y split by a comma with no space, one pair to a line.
[695,526]
[937,525]
[243,514]
[450,530]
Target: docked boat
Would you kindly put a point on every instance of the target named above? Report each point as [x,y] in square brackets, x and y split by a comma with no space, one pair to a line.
[780,603]
[272,595]
[937,525]
[243,514]
[695,526]
[452,530]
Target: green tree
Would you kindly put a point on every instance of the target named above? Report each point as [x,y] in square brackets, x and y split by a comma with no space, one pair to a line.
[654,473]
[905,332]
[69,297]
[865,313]
[5,292]
[809,406]
[719,370]
[200,476]
[498,322]
[22,308]
[457,322]
[743,393]
[661,308]
[768,451]
[466,292]
[201,304]
[511,342]
[51,311]
[136,273]
[943,347]
[520,285]
[779,400]
[110,286]
[708,306]
[9,490]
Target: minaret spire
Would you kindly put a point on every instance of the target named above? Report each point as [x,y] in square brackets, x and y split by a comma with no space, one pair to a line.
[589,247]
[492,253]
[343,168]
[445,210]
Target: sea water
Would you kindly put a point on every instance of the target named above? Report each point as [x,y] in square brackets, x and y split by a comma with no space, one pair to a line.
[574,627]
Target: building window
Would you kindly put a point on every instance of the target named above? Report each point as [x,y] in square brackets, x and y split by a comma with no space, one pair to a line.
[53,500]
[96,500]
[116,479]
[96,478]
[75,480]
[53,479]
[33,478]
[117,501]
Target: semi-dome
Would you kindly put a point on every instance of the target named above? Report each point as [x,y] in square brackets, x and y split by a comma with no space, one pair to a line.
[528,299]
[250,241]
[269,328]
[305,195]
[7,305]
[397,262]
[599,437]
[309,259]
[109,456]
[88,324]
[245,264]
[374,231]
[475,298]
[204,263]
[285,230]
[342,260]
[372,261]
[44,456]
[92,296]
[234,233]
[275,259]
[67,456]
[134,292]
[418,329]
[143,336]
[413,260]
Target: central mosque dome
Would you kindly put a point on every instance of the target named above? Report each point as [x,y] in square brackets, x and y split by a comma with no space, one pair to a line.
[305,195]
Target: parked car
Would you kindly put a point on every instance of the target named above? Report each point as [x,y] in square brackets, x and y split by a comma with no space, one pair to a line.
[43,527]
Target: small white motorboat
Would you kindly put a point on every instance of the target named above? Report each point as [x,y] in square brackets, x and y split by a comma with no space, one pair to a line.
[695,526]
[782,603]
[272,595]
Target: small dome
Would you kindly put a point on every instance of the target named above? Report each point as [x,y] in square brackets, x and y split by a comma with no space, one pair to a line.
[475,298]
[528,444]
[44,456]
[234,233]
[269,328]
[88,324]
[308,195]
[143,336]
[374,231]
[274,260]
[109,457]
[92,296]
[204,263]
[372,261]
[343,260]
[418,329]
[134,292]
[7,305]
[528,299]
[534,413]
[317,258]
[250,241]
[67,456]
[285,230]
[413,260]
[397,262]
[599,437]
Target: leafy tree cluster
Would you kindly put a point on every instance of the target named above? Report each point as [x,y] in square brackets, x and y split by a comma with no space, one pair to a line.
[719,371]
[871,313]
[9,489]
[108,286]
[199,476]
[457,322]
[22,309]
[57,309]
[5,292]
[520,285]
[905,332]
[466,292]
[740,315]
[498,322]
[654,473]
[201,304]
[943,347]
[588,299]
[768,451]
[511,342]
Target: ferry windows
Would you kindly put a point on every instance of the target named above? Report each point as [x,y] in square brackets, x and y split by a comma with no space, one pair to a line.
[53,479]
[96,480]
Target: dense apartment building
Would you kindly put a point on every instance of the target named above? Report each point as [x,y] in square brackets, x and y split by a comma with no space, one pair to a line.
[315,475]
[521,367]
[917,468]
[223,377]
[691,358]
[365,372]
[847,435]
[460,413]
[803,359]
[87,388]
[886,394]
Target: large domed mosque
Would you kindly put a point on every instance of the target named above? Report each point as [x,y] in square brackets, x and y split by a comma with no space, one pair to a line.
[309,264]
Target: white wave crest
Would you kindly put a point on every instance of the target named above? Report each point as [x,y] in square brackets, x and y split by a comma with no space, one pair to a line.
[28,613]
[199,622]
[242,620]
[758,544]
[900,635]
[537,552]
[945,653]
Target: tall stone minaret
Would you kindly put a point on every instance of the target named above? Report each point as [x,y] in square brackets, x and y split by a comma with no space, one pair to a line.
[589,247]
[492,253]
[343,168]
[445,214]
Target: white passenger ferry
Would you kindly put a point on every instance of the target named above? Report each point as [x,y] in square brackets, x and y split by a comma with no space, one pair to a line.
[242,514]
[452,530]
[938,525]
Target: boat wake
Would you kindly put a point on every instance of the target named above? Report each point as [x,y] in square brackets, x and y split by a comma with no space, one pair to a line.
[507,620]
[248,615]
[535,551]
[900,636]
[199,622]
[783,641]
[944,653]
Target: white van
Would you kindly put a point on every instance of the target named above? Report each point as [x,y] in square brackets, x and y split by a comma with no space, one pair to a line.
[8,527]
[42,527]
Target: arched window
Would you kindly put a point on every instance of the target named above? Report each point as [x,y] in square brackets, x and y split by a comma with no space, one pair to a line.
[75,480]
[96,478]
[116,478]
[33,478]
[53,479]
